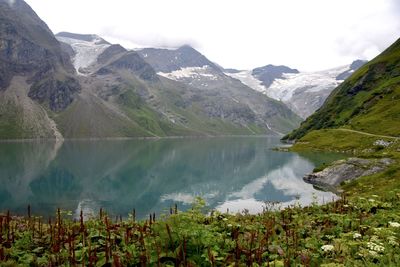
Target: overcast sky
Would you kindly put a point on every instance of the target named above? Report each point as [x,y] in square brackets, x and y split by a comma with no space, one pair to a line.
[304,34]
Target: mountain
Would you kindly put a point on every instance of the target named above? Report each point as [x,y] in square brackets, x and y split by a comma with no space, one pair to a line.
[184,106]
[302,92]
[367,101]
[36,76]
[211,91]
[86,48]
[355,65]
[81,86]
[269,73]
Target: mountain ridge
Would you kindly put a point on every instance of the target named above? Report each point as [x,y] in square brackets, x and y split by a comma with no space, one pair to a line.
[302,92]
[81,86]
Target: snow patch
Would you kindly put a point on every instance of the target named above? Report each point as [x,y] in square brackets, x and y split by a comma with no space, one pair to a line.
[86,52]
[283,89]
[190,72]
[248,79]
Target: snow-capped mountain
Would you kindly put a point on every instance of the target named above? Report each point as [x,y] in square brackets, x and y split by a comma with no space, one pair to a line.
[303,92]
[221,96]
[86,48]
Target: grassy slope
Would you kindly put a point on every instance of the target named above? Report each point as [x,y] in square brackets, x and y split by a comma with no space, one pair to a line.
[366,101]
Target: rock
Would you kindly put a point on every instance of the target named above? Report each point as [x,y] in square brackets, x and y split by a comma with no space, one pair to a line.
[346,170]
[59,94]
[382,143]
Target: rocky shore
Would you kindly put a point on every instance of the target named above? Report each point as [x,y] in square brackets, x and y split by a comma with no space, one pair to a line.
[346,170]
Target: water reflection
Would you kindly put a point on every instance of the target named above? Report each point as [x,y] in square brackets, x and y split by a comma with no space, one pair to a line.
[152,175]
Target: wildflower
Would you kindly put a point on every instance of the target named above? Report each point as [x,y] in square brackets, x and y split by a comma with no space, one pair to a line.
[375,247]
[356,236]
[371,200]
[225,219]
[392,241]
[327,248]
[229,225]
[394,224]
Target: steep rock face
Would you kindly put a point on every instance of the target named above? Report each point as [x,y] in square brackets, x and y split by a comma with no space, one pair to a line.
[133,62]
[28,48]
[218,95]
[366,101]
[58,92]
[110,52]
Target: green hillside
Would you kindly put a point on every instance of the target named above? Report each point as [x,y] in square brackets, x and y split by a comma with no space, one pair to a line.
[367,101]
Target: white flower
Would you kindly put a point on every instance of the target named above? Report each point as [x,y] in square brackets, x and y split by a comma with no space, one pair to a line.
[373,253]
[327,248]
[394,224]
[229,225]
[357,236]
[371,200]
[375,247]
[392,241]
[224,219]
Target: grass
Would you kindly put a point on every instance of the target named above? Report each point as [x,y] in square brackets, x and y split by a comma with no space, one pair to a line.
[359,145]
[340,141]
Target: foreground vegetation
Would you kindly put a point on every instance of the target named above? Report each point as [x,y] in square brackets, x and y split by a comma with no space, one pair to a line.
[355,231]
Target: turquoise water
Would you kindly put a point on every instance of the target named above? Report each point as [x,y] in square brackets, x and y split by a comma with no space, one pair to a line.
[152,175]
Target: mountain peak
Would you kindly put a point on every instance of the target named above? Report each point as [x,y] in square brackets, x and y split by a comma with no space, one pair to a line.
[186,47]
[83,37]
[356,64]
[165,60]
[269,73]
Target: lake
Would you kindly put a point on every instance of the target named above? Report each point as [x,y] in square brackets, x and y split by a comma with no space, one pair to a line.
[234,173]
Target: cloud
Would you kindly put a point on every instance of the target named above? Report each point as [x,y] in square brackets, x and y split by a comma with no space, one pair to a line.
[307,34]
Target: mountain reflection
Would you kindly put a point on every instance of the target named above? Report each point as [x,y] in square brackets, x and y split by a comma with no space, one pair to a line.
[152,175]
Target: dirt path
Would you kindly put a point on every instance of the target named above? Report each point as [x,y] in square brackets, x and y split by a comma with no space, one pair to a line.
[369,134]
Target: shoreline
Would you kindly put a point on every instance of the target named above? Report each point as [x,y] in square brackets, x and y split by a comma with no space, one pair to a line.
[43,140]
